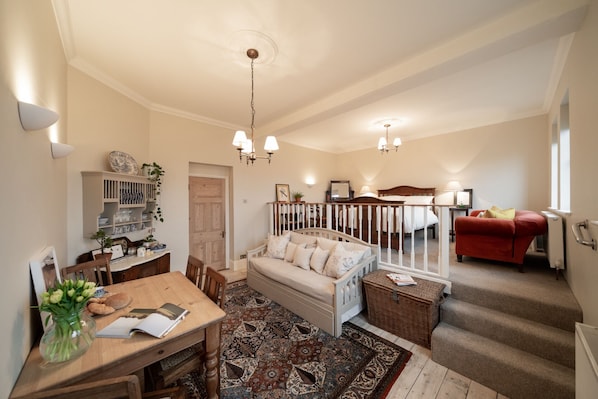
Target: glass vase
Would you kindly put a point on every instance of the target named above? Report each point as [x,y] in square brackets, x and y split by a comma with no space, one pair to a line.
[68,337]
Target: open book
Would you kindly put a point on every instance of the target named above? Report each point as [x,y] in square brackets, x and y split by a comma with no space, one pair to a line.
[156,322]
[401,279]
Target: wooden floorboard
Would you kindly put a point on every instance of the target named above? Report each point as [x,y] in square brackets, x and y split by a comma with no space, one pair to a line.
[422,377]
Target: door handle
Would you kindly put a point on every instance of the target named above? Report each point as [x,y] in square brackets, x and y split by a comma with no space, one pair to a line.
[223,234]
[578,234]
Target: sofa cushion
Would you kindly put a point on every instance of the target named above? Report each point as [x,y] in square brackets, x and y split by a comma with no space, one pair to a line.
[341,261]
[498,213]
[303,256]
[298,238]
[315,285]
[290,252]
[277,245]
[318,259]
[328,244]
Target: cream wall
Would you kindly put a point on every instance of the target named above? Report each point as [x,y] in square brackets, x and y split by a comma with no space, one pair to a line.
[505,164]
[33,200]
[579,78]
[100,120]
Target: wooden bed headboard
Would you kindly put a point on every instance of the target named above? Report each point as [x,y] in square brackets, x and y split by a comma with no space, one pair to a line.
[407,190]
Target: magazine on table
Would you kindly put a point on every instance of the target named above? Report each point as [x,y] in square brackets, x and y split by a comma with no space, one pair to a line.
[155,322]
[401,279]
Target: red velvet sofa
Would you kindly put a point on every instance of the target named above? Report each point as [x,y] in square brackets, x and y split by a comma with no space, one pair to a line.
[497,239]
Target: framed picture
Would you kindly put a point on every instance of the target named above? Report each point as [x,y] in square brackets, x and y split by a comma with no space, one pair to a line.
[283,194]
[44,273]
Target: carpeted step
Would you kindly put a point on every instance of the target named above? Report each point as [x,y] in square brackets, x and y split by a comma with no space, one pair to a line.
[539,339]
[509,371]
[561,312]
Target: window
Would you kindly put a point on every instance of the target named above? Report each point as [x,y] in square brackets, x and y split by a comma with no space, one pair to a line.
[560,159]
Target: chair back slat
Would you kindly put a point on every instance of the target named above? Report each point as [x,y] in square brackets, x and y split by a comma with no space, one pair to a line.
[92,271]
[214,286]
[195,271]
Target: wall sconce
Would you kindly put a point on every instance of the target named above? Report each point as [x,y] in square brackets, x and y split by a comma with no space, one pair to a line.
[34,117]
[310,181]
[366,191]
[60,150]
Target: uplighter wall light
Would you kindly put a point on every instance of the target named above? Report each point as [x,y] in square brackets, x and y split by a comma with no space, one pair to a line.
[34,117]
[60,150]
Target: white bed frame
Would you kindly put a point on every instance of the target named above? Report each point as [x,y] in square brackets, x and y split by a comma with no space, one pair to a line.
[348,298]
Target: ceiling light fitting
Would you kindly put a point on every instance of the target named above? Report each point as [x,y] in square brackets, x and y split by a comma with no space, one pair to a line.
[383,142]
[245,146]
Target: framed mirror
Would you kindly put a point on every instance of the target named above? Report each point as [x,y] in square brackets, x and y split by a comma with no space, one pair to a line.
[339,190]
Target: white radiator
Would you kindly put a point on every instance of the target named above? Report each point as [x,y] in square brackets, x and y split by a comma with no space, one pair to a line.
[556,240]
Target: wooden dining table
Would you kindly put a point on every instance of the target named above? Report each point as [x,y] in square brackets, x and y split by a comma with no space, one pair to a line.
[112,357]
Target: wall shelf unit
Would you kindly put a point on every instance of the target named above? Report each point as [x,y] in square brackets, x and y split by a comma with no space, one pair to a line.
[117,203]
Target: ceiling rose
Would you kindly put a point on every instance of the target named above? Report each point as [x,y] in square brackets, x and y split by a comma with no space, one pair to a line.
[242,40]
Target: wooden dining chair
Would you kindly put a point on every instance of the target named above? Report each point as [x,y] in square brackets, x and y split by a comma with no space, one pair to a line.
[165,372]
[111,388]
[215,286]
[94,270]
[194,271]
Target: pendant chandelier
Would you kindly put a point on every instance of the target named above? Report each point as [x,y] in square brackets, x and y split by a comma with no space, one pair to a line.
[245,146]
[383,146]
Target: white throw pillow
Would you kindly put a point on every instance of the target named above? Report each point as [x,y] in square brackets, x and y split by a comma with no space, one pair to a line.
[290,253]
[302,257]
[341,261]
[318,259]
[277,245]
[299,238]
[326,243]
[419,199]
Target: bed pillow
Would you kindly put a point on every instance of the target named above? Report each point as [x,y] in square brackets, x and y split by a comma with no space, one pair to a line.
[302,257]
[318,259]
[419,199]
[341,261]
[277,245]
[394,197]
[290,252]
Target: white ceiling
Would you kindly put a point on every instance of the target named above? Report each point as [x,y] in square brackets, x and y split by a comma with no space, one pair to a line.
[329,69]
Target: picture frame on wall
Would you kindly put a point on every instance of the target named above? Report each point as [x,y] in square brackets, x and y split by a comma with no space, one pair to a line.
[283,193]
[44,273]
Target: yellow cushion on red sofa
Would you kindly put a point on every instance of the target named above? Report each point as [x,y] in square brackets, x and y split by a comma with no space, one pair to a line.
[498,213]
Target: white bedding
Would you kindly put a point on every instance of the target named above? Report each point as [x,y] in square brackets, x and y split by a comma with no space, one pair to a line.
[414,217]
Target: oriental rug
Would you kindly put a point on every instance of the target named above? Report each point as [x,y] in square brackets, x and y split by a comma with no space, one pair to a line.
[269,352]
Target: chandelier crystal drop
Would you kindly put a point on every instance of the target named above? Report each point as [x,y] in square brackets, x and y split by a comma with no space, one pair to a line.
[383,146]
[245,146]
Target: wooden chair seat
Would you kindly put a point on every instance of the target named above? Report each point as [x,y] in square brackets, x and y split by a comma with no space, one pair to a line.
[165,372]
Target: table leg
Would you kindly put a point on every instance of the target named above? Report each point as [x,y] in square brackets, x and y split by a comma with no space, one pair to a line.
[213,361]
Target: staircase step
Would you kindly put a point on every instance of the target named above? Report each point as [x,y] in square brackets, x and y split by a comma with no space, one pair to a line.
[534,295]
[509,371]
[551,343]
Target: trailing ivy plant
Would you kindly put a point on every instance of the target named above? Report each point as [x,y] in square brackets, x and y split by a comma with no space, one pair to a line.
[154,173]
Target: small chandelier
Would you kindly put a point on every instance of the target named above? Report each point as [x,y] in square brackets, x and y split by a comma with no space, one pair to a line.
[383,142]
[245,146]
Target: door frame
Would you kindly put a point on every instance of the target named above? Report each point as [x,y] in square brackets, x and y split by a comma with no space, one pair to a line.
[197,169]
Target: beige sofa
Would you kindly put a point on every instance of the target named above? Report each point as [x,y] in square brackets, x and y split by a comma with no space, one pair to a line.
[326,291]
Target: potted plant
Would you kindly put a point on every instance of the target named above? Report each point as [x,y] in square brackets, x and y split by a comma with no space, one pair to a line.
[297,195]
[154,173]
[104,240]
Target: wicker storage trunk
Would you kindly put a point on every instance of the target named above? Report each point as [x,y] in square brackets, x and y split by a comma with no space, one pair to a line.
[410,312]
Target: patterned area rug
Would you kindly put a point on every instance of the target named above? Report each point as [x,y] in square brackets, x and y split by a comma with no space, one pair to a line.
[269,352]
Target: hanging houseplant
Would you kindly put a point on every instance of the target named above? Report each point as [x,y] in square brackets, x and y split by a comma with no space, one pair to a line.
[154,173]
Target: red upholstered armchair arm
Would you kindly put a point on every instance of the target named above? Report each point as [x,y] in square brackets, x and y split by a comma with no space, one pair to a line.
[530,223]
[483,226]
